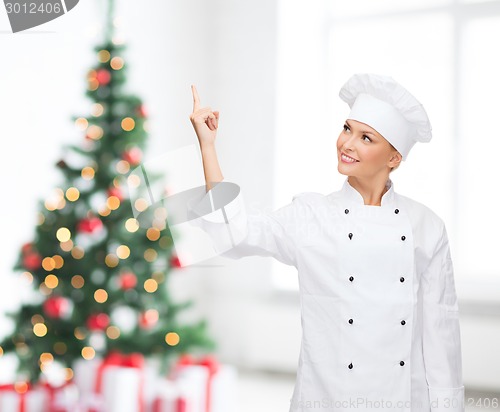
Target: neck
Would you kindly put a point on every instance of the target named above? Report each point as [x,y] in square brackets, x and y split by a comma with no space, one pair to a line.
[371,189]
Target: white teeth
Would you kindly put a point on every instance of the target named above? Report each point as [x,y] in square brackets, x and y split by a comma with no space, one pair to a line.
[348,159]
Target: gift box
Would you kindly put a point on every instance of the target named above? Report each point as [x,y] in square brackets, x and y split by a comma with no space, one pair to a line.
[171,397]
[63,398]
[23,398]
[113,384]
[208,386]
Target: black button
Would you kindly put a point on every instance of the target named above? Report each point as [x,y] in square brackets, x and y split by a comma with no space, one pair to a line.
[350,321]
[351,278]
[396,211]
[350,235]
[403,322]
[401,279]
[350,366]
[346,211]
[403,237]
[401,363]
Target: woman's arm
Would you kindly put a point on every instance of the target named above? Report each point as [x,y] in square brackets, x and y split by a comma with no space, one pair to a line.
[441,332]
[234,232]
[205,123]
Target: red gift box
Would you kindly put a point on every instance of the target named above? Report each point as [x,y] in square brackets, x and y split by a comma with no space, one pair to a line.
[117,383]
[22,397]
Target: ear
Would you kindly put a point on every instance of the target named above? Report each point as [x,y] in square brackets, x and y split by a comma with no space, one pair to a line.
[395,159]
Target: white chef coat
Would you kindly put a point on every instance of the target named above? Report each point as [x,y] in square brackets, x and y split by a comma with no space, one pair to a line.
[379,312]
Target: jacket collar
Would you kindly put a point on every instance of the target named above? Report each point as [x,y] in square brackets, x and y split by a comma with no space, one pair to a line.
[353,195]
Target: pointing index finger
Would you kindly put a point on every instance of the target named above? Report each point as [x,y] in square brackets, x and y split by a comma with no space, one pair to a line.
[196,98]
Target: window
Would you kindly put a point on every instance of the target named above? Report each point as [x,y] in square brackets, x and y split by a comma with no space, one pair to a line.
[445,52]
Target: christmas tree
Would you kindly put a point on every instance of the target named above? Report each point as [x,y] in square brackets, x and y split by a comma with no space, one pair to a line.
[100,276]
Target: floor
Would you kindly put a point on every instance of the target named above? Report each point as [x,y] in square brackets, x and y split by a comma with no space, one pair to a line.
[269,392]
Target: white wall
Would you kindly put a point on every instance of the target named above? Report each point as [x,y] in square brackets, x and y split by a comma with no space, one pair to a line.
[229,50]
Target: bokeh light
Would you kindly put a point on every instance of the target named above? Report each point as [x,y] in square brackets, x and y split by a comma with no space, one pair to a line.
[123,167]
[95,132]
[113,202]
[77,281]
[72,194]
[40,330]
[116,63]
[113,332]
[103,56]
[88,353]
[128,124]
[88,173]
[81,123]
[141,204]
[123,251]
[63,234]
[172,338]
[58,261]
[51,281]
[48,264]
[150,255]
[77,252]
[111,260]
[153,234]
[80,334]
[150,285]
[132,225]
[100,296]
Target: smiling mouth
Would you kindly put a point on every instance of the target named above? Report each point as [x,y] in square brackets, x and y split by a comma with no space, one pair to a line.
[347,159]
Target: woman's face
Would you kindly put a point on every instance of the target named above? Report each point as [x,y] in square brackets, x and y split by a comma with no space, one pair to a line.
[368,153]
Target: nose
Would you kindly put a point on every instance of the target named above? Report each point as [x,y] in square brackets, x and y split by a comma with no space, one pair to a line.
[348,144]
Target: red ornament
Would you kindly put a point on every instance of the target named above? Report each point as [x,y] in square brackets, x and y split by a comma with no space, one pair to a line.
[103,77]
[98,322]
[148,319]
[114,191]
[56,307]
[127,280]
[32,261]
[89,225]
[141,111]
[133,156]
[175,261]
[27,247]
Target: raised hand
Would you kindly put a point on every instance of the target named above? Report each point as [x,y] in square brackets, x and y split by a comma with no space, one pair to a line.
[204,120]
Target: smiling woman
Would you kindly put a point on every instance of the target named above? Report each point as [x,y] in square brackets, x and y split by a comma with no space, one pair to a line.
[364,151]
[379,310]
[384,123]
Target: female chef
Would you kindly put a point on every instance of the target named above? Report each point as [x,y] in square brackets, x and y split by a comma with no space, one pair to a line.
[379,312]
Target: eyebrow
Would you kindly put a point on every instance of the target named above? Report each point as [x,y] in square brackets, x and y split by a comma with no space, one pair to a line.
[365,131]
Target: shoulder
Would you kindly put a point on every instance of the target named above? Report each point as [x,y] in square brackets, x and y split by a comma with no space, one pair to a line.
[423,219]
[309,205]
[418,209]
[307,197]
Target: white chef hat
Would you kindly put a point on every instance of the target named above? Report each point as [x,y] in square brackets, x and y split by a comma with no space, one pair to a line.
[385,105]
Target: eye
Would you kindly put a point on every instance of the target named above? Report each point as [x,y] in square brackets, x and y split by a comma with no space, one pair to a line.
[346,128]
[366,137]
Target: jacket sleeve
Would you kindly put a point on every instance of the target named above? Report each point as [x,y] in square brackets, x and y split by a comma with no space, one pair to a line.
[236,233]
[441,331]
